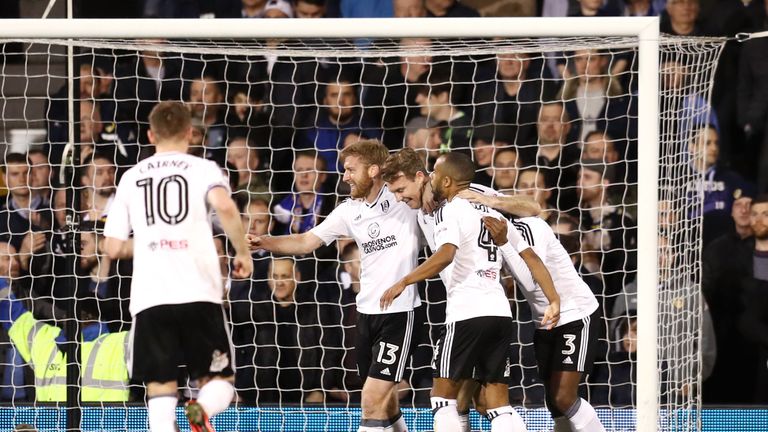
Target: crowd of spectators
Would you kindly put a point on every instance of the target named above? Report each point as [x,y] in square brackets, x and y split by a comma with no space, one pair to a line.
[560,127]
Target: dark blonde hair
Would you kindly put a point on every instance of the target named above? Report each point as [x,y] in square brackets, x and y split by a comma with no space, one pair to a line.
[372,152]
[169,120]
[405,162]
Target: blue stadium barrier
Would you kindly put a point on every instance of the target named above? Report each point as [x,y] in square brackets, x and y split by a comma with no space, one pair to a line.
[134,419]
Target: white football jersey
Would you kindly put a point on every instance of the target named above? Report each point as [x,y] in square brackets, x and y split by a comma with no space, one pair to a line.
[163,200]
[472,279]
[387,234]
[576,299]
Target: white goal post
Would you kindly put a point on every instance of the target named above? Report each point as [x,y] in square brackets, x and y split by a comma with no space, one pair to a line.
[646,30]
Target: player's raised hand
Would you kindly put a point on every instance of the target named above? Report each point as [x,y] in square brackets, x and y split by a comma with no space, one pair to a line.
[497,228]
[242,267]
[391,294]
[551,315]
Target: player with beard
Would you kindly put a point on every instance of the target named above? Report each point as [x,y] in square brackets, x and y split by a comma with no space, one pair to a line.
[475,343]
[387,234]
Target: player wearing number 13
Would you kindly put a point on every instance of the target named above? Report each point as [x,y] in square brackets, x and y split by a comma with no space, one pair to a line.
[177,282]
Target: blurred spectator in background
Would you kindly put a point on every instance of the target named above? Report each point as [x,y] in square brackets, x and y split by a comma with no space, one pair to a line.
[753,322]
[390,88]
[24,217]
[338,117]
[752,86]
[485,145]
[423,136]
[449,9]
[643,8]
[514,97]
[278,9]
[288,339]
[246,161]
[366,9]
[504,170]
[206,102]
[533,182]
[310,201]
[99,185]
[727,266]
[244,295]
[434,98]
[252,8]
[608,230]
[309,8]
[556,157]
[593,95]
[721,185]
[41,174]
[681,19]
[409,8]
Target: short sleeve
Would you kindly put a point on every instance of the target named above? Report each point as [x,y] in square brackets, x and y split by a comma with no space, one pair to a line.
[515,239]
[118,219]
[333,226]
[447,229]
[214,177]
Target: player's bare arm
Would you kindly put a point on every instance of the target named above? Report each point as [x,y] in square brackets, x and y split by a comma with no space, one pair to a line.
[498,229]
[294,244]
[432,266]
[225,207]
[118,249]
[518,205]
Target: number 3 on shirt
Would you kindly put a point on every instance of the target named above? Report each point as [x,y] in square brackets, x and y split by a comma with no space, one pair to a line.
[157,201]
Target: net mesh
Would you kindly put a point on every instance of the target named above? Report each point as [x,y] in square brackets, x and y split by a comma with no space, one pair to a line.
[555,118]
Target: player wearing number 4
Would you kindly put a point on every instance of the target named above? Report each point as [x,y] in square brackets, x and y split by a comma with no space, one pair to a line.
[177,282]
[475,342]
[387,234]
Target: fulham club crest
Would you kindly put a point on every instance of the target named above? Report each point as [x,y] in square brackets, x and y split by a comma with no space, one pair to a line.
[385,206]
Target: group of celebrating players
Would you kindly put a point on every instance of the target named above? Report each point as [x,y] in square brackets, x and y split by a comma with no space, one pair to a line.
[395,207]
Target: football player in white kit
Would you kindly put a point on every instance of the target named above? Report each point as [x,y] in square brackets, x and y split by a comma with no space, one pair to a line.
[387,235]
[475,341]
[177,289]
[565,353]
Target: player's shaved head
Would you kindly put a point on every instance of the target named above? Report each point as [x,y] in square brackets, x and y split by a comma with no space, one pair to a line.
[458,166]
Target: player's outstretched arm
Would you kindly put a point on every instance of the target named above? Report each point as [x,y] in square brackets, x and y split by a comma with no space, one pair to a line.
[226,209]
[498,228]
[294,244]
[518,205]
[432,266]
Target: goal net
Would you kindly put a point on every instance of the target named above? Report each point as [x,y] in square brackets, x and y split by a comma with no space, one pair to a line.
[556,118]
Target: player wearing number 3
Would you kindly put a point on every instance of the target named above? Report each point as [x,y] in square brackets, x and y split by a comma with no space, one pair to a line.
[475,341]
[177,286]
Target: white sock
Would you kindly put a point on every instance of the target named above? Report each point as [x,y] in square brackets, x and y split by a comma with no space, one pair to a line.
[398,423]
[464,420]
[562,424]
[446,416]
[215,396]
[583,418]
[506,419]
[161,411]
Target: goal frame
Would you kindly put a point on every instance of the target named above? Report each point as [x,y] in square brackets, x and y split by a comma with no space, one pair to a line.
[646,29]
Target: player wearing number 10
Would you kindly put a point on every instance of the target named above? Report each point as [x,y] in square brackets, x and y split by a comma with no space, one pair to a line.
[177,284]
